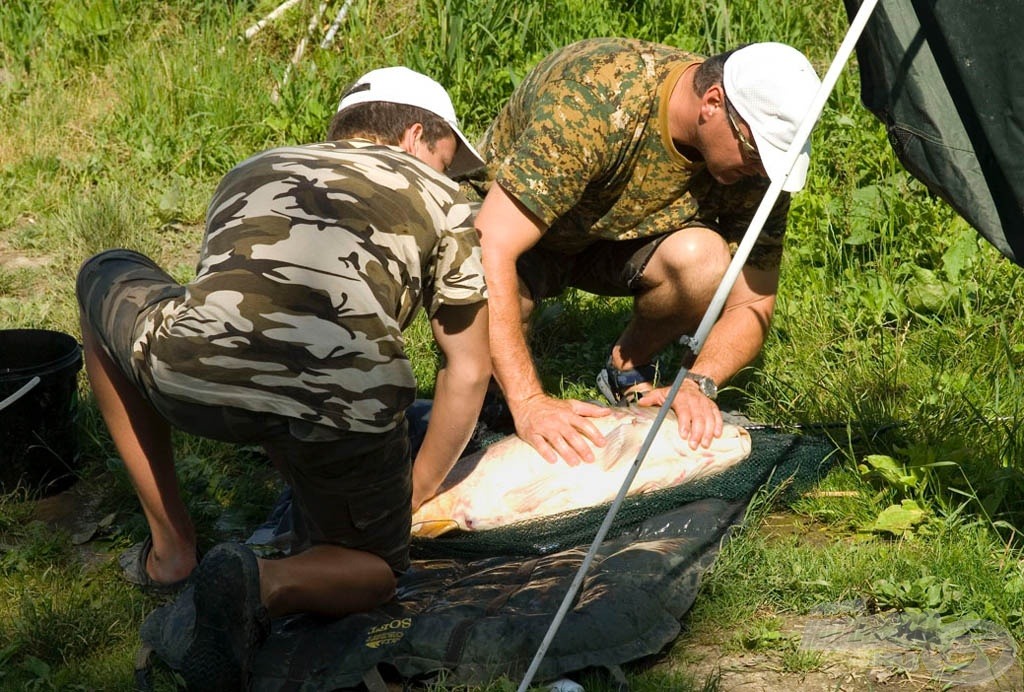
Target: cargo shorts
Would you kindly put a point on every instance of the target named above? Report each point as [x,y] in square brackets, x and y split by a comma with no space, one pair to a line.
[605,268]
[349,489]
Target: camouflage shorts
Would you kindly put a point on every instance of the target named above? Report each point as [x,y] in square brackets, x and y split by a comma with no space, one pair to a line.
[606,268]
[351,489]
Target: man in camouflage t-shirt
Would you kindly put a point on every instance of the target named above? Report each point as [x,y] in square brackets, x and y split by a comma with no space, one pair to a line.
[315,259]
[628,168]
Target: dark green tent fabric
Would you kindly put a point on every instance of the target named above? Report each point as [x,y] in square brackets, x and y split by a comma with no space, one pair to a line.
[946,77]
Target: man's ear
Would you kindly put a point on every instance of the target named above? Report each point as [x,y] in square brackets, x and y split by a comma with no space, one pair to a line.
[712,100]
[412,134]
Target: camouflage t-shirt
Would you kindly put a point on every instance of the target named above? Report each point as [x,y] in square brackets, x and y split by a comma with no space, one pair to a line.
[315,259]
[583,143]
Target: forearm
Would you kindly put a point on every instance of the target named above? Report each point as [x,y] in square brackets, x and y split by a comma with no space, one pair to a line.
[457,401]
[510,355]
[507,230]
[735,340]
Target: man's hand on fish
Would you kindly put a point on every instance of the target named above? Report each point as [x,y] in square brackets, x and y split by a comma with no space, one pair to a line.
[559,428]
[699,418]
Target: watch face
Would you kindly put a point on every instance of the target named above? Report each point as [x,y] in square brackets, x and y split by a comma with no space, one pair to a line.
[707,386]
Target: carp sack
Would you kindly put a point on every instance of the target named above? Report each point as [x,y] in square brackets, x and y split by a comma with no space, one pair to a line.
[510,482]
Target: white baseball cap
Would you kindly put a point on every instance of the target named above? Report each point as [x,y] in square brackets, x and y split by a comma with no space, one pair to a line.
[411,88]
[772,86]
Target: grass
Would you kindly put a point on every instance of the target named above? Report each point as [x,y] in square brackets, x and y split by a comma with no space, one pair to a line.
[896,326]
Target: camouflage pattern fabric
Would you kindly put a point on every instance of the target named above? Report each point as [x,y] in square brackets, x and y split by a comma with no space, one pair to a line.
[315,259]
[583,143]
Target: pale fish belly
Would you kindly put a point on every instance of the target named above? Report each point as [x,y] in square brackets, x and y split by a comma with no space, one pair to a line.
[510,482]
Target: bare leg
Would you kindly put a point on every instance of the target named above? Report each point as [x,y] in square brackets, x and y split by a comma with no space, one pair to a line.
[143,439]
[681,278]
[327,580]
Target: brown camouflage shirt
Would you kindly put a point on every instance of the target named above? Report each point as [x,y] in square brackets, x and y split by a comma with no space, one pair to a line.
[315,259]
[583,143]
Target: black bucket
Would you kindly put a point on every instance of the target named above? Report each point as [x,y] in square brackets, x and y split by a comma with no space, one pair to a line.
[38,409]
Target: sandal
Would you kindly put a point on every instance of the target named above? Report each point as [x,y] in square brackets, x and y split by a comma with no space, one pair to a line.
[133,567]
[618,386]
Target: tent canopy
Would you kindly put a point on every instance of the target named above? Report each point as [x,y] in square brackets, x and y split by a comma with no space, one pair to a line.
[946,77]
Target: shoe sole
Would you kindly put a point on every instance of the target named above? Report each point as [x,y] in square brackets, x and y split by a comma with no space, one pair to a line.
[230,623]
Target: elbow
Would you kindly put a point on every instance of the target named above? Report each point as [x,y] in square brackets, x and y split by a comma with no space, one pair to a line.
[473,374]
[479,375]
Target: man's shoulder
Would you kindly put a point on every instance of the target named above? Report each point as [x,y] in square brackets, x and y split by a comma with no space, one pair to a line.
[384,169]
[327,151]
[609,55]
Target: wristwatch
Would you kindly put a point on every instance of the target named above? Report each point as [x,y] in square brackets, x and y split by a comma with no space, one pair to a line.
[707,385]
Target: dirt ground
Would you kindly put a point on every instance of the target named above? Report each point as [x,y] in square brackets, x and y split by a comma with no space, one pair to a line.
[842,648]
[858,660]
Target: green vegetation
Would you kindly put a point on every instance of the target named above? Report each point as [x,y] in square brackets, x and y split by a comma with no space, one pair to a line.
[896,325]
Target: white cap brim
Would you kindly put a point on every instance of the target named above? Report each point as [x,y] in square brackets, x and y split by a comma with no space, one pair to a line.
[467,158]
[774,161]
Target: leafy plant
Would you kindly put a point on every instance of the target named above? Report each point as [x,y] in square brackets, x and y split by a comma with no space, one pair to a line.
[900,520]
[926,594]
[764,635]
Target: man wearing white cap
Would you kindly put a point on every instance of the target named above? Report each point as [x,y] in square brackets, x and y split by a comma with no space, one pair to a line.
[628,168]
[315,259]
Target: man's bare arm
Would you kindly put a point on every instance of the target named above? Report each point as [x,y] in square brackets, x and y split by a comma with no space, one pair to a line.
[554,427]
[733,342]
[461,334]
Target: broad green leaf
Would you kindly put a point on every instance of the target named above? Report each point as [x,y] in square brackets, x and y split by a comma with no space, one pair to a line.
[959,254]
[865,210]
[926,293]
[891,472]
[899,519]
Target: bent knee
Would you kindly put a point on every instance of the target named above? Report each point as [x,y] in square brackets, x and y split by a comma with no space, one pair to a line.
[386,589]
[377,585]
[695,244]
[694,250]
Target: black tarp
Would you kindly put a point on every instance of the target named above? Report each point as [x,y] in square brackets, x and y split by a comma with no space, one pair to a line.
[946,77]
[472,609]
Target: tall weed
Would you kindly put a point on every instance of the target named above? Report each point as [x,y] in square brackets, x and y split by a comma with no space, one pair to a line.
[189,111]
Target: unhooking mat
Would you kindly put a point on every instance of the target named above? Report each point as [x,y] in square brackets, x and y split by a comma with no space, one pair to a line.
[476,606]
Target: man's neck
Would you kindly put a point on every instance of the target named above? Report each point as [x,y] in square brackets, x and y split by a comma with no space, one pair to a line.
[683,110]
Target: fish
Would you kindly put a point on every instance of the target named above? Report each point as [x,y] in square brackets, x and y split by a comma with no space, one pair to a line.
[509,481]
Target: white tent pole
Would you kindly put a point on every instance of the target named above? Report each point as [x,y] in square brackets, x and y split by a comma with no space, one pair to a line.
[711,315]
[278,11]
[772,194]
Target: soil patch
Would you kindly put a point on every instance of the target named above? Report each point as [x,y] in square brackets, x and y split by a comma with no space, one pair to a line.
[78,512]
[862,653]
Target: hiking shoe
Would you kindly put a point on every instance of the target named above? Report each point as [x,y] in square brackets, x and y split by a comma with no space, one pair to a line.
[230,623]
[616,384]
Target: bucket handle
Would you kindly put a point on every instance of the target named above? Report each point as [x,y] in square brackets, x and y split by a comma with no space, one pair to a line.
[25,389]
